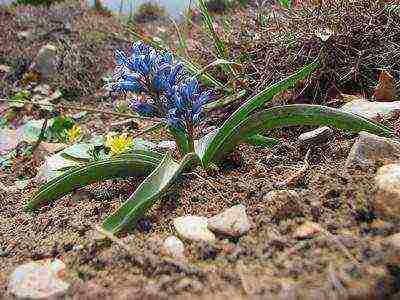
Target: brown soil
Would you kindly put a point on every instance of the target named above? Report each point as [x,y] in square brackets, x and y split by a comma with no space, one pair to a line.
[266,262]
[349,259]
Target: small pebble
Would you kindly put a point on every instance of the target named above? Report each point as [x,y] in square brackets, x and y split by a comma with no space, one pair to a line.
[193,228]
[307,230]
[174,247]
[233,222]
[39,280]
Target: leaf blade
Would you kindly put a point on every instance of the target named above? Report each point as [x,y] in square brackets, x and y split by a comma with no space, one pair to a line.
[151,189]
[138,163]
[299,114]
[207,154]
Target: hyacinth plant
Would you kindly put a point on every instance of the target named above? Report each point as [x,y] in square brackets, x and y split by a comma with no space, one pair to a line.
[159,87]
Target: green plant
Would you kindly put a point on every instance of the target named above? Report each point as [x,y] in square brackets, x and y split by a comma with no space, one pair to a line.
[167,94]
[286,3]
[38,2]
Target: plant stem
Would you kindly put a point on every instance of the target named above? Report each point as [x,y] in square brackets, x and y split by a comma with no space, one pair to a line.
[190,131]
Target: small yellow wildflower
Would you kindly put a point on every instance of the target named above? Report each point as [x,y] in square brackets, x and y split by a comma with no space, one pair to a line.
[119,144]
[74,134]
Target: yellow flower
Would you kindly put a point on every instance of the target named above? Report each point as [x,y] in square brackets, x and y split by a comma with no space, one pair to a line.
[74,134]
[119,144]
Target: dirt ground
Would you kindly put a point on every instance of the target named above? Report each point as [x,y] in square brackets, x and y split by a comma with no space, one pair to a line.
[349,258]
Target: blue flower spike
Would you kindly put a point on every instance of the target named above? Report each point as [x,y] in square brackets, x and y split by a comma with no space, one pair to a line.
[161,85]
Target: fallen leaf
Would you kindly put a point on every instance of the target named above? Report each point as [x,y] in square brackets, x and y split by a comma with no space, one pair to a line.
[385,90]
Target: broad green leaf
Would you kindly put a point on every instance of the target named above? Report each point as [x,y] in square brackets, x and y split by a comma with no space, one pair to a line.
[181,139]
[222,136]
[139,163]
[261,141]
[298,114]
[148,192]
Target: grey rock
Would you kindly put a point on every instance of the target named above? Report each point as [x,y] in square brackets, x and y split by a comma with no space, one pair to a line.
[26,35]
[45,63]
[193,228]
[370,109]
[317,136]
[233,222]
[174,247]
[39,280]
[387,198]
[370,149]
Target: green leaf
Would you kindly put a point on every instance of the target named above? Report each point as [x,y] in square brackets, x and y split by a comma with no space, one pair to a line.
[210,145]
[286,3]
[181,139]
[297,114]
[149,191]
[261,141]
[222,51]
[218,43]
[138,163]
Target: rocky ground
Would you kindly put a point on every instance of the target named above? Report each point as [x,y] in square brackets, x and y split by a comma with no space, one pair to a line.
[316,217]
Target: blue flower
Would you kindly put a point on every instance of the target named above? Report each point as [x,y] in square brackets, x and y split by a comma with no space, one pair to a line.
[156,77]
[142,108]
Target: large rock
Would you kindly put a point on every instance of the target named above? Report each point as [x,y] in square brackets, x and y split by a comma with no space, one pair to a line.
[194,228]
[39,280]
[233,222]
[370,109]
[45,62]
[369,150]
[387,198]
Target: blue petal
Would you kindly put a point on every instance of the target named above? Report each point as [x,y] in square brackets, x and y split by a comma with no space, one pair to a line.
[142,108]
[121,57]
[197,118]
[200,101]
[192,87]
[175,73]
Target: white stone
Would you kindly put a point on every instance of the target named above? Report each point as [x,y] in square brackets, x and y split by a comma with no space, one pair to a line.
[317,136]
[233,221]
[193,228]
[371,110]
[39,280]
[174,247]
